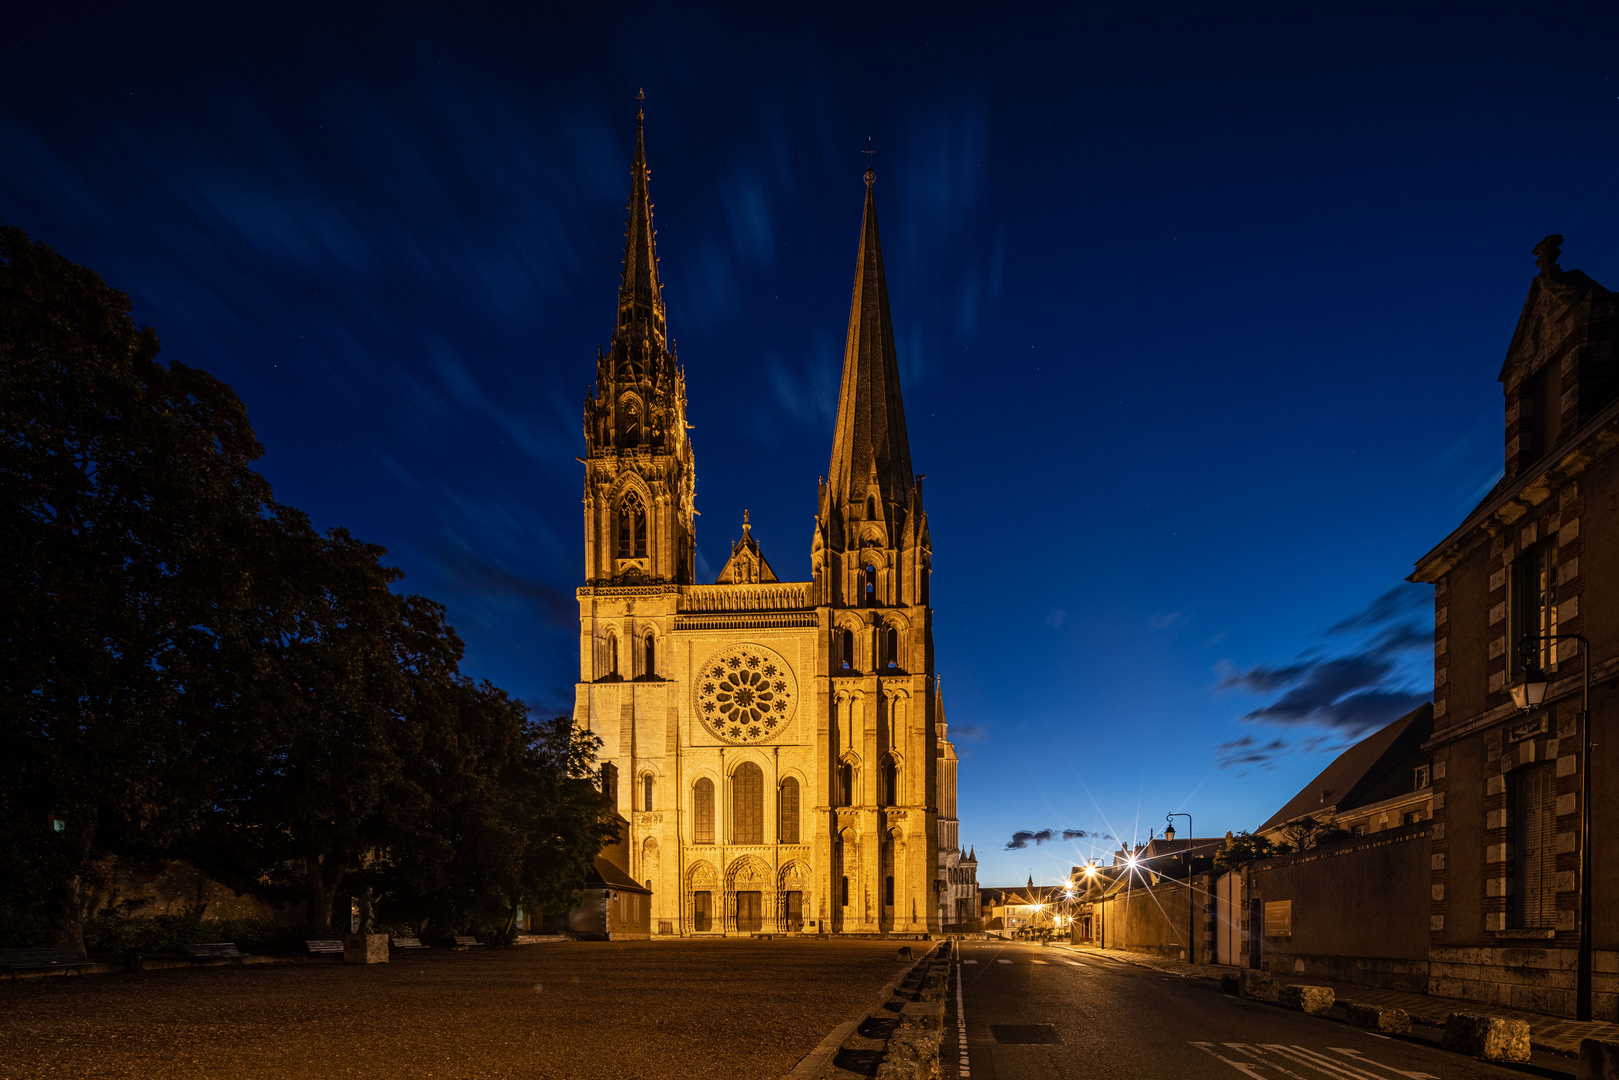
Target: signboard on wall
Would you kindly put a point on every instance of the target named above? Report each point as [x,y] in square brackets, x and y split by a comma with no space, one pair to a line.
[1279,918]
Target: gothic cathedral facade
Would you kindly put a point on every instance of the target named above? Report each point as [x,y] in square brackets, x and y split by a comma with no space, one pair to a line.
[777,748]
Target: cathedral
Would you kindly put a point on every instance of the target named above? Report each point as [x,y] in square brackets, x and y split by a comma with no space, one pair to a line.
[777,749]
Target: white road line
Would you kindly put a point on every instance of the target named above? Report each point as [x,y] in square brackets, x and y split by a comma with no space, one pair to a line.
[969,961]
[1039,961]
[965,1068]
[1257,1054]
[1003,961]
[1245,1069]
[1073,963]
[1320,1062]
[1364,1060]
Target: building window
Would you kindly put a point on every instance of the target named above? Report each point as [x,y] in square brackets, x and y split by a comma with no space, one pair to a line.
[843,890]
[1420,781]
[609,782]
[702,811]
[702,917]
[1544,402]
[747,805]
[1358,830]
[846,649]
[646,792]
[871,508]
[1533,608]
[1410,817]
[888,891]
[1535,850]
[612,655]
[870,597]
[845,791]
[890,792]
[649,657]
[631,527]
[891,646]
[787,807]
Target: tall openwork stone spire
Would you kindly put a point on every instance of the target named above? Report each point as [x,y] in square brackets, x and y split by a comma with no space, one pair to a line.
[640,297]
[869,440]
[639,472]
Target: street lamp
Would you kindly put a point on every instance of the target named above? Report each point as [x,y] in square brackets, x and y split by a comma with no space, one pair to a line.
[1528,694]
[1191,893]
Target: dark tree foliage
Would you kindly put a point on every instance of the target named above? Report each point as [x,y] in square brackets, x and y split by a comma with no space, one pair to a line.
[1242,849]
[188,669]
[126,499]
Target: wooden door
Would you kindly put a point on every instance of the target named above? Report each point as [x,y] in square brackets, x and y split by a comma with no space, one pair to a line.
[795,912]
[749,912]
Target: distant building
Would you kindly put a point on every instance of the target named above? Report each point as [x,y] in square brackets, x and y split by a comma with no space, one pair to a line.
[1382,782]
[1532,567]
[778,747]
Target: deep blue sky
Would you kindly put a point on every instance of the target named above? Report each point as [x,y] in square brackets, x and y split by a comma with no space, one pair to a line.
[1199,307]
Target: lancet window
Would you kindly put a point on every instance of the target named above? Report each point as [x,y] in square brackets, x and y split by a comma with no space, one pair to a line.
[787,812]
[702,811]
[747,804]
[631,527]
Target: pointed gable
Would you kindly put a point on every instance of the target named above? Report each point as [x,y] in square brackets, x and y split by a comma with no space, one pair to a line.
[747,565]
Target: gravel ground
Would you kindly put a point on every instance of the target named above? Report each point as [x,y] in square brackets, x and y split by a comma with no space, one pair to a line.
[688,1009]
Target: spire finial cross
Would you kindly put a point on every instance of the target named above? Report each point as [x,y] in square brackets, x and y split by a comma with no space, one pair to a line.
[745,525]
[868,151]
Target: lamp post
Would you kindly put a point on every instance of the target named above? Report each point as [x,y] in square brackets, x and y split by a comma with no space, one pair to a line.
[1191,893]
[1527,695]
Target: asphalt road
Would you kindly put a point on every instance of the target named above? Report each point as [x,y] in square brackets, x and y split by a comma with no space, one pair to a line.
[1036,1013]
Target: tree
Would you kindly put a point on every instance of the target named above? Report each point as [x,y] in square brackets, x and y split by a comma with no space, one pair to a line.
[126,501]
[564,817]
[1242,849]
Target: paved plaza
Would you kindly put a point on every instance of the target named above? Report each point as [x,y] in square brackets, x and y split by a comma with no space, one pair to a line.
[691,1009]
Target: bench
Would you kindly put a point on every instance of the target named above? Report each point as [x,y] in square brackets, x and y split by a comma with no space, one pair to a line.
[408,943]
[56,956]
[324,948]
[466,941]
[213,950]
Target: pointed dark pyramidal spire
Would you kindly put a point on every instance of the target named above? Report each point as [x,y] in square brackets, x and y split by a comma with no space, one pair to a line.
[869,439]
[640,297]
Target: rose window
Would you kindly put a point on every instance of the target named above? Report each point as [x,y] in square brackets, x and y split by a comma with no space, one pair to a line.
[745,693]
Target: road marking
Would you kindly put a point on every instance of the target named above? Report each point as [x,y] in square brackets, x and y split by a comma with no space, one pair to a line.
[969,961]
[1073,963]
[1358,1056]
[1039,961]
[965,1069]
[1318,1063]
[1003,961]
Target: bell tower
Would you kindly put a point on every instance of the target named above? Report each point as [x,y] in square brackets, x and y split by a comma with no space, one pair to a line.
[871,547]
[639,471]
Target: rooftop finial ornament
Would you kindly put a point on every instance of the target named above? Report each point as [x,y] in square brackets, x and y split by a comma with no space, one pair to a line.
[1546,253]
[868,151]
[745,526]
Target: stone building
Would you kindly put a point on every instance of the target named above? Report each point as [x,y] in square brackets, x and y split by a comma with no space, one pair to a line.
[1536,562]
[777,746]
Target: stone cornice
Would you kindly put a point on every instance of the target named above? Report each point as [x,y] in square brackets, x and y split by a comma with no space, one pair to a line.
[1589,443]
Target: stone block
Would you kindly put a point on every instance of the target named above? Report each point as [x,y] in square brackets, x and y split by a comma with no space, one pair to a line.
[905,952]
[1488,1038]
[1566,764]
[1384,1021]
[1230,984]
[1314,1000]
[922,1016]
[911,1055]
[1599,1060]
[1566,804]
[365,949]
[1259,986]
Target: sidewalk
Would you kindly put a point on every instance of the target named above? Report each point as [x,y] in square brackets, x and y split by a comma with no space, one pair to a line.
[1553,1034]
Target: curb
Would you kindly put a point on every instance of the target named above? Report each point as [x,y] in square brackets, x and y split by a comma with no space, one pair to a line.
[814,1065]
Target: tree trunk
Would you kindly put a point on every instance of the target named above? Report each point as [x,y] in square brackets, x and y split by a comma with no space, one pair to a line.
[321,891]
[65,927]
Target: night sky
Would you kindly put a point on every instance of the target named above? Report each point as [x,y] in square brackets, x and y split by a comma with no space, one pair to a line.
[1199,311]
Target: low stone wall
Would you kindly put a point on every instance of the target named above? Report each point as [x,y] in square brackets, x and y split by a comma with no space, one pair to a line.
[1523,977]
